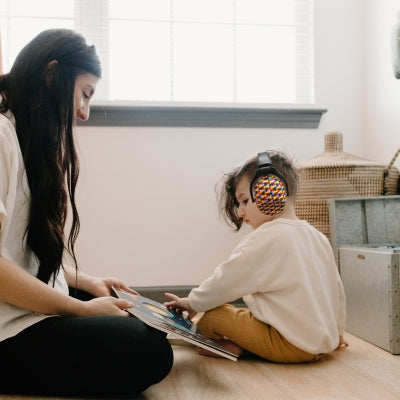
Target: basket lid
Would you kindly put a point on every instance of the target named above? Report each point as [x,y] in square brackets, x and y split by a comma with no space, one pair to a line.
[334,156]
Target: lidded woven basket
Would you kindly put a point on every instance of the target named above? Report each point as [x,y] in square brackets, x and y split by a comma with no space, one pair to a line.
[335,173]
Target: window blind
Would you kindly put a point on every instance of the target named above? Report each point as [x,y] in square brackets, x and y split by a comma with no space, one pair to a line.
[224,52]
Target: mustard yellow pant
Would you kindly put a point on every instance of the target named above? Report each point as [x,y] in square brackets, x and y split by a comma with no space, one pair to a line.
[241,327]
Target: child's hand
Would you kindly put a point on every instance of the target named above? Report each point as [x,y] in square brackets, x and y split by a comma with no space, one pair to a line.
[179,304]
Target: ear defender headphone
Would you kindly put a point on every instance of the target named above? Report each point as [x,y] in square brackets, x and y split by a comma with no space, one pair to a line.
[268,188]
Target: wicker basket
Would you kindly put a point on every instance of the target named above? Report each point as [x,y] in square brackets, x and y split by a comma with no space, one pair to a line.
[338,174]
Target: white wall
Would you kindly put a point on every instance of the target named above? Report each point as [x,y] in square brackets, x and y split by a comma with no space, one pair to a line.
[146,195]
[382,90]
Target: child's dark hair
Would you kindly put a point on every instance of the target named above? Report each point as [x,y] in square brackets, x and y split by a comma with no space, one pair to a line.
[228,204]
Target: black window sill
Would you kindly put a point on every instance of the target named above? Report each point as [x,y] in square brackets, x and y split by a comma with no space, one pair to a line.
[199,116]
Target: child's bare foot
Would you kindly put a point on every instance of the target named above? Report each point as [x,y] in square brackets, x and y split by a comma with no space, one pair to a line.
[227,344]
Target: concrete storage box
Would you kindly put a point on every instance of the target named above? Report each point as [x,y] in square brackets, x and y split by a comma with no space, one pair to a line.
[365,235]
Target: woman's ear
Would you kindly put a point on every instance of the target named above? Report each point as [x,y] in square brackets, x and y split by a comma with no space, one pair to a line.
[49,74]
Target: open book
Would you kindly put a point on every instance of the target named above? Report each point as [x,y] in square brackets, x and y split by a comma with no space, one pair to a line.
[176,324]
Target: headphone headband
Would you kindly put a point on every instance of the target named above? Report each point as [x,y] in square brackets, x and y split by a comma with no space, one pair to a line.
[263,159]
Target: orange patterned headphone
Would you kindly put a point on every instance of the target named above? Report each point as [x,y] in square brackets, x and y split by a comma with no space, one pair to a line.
[268,188]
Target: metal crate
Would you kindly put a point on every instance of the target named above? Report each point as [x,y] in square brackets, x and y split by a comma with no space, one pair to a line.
[371,281]
[365,236]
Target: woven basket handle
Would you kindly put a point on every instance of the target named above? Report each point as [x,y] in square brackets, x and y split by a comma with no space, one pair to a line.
[386,172]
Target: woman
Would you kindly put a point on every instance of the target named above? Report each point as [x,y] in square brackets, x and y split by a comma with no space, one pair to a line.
[52,343]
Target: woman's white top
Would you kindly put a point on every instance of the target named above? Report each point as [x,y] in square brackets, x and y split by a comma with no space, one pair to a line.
[14,212]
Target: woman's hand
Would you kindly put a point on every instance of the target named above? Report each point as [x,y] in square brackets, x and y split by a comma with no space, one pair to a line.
[106,306]
[100,287]
[96,286]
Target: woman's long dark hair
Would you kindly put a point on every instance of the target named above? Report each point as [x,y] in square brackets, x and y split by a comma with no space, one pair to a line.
[43,110]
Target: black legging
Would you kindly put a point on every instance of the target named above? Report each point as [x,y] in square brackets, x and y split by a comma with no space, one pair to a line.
[84,357]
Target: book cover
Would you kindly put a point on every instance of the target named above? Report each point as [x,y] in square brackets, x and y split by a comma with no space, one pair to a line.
[160,317]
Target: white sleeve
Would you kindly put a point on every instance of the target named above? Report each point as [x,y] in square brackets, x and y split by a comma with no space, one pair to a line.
[231,280]
[5,171]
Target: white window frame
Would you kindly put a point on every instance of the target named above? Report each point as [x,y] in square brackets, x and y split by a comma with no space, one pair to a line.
[187,114]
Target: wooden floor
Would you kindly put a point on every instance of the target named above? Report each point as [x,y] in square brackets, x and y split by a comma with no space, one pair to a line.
[360,372]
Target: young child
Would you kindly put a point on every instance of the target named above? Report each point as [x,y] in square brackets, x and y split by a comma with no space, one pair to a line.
[284,270]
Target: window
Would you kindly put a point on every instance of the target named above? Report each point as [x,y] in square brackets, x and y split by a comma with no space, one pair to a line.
[182,52]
